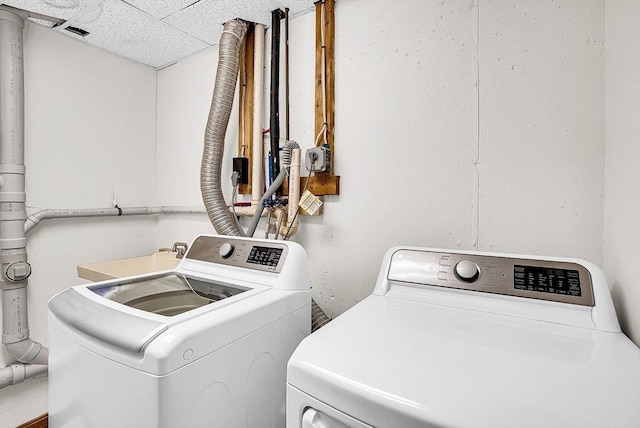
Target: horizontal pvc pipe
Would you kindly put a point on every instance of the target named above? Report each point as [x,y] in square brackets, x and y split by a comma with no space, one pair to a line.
[34,219]
[18,373]
[244,211]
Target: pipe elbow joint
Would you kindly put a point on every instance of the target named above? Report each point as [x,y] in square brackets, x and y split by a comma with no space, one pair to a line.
[28,351]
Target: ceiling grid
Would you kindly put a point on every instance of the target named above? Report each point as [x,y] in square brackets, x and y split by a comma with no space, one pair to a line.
[157,33]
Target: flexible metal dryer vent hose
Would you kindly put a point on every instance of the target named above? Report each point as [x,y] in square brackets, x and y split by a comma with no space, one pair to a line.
[231,42]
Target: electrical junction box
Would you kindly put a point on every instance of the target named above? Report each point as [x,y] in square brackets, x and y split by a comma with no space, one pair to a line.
[318,159]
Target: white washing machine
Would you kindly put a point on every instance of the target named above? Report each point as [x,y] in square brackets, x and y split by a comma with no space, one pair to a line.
[459,339]
[204,345]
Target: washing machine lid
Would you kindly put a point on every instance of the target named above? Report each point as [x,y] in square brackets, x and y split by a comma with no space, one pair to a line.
[394,362]
[168,295]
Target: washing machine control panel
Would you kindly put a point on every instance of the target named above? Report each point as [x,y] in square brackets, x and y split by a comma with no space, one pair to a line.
[248,254]
[565,282]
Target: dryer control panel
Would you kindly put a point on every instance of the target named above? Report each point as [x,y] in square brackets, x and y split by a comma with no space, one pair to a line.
[248,254]
[558,281]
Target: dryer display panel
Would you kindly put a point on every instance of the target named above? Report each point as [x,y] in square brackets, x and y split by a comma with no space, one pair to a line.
[547,280]
[167,295]
[558,281]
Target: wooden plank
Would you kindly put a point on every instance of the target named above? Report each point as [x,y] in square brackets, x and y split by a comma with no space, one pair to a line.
[39,422]
[320,185]
[325,181]
[245,127]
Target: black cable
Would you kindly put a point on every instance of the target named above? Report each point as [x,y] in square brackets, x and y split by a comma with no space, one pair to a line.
[274,129]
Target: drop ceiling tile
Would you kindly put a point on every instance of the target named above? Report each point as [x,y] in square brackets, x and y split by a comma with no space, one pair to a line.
[62,9]
[204,19]
[127,31]
[160,8]
[133,28]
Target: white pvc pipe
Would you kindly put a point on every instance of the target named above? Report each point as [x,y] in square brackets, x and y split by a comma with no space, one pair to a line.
[291,225]
[244,211]
[34,219]
[17,373]
[257,177]
[14,268]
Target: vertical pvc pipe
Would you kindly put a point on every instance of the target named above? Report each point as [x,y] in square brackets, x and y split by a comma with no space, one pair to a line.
[13,242]
[257,183]
[294,195]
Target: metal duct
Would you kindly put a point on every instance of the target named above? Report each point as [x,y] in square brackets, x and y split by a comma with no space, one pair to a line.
[13,242]
[231,41]
[318,317]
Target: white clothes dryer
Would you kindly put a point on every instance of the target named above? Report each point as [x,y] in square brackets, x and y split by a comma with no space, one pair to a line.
[470,339]
[203,345]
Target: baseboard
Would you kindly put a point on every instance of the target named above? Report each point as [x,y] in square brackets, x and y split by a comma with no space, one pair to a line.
[39,422]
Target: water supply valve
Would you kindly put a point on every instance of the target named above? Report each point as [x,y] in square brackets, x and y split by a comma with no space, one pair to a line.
[18,271]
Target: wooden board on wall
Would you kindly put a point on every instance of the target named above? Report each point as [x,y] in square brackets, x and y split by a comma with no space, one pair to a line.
[245,118]
[325,182]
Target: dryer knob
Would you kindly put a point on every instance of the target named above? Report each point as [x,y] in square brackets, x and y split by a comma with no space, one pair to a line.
[226,250]
[467,271]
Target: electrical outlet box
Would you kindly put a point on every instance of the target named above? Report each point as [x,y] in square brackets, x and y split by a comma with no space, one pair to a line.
[318,159]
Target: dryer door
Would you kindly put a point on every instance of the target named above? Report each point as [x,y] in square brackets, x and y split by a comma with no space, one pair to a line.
[312,418]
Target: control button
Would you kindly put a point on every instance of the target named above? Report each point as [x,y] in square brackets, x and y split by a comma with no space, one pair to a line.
[467,271]
[226,250]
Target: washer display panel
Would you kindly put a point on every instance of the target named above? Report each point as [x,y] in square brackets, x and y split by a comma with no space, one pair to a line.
[167,294]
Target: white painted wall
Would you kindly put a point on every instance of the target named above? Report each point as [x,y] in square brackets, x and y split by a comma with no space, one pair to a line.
[622,202]
[541,140]
[456,126]
[184,98]
[90,131]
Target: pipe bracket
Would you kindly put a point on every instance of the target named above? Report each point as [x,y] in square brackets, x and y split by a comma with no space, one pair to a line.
[13,197]
[9,339]
[7,259]
[13,215]
[11,168]
[13,243]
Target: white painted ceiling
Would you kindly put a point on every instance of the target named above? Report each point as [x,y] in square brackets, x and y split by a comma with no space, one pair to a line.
[157,33]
